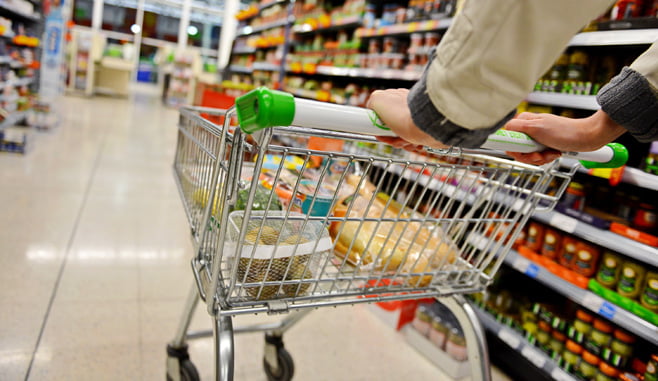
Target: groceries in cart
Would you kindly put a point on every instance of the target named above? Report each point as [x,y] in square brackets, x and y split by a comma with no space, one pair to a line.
[282,251]
[277,253]
[390,242]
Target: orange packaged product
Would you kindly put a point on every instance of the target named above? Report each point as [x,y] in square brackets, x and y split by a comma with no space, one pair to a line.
[586,259]
[552,241]
[534,239]
[567,251]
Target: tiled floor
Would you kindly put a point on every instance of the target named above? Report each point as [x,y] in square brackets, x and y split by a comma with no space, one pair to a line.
[94,263]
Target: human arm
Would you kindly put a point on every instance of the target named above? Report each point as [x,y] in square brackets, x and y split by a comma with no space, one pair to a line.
[629,103]
[486,63]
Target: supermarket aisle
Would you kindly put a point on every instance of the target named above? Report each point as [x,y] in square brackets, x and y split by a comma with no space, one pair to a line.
[94,263]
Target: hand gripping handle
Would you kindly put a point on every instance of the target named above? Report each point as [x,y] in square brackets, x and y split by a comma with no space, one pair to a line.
[264,108]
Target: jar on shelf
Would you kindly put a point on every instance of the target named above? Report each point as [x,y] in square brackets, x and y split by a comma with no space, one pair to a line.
[431,40]
[543,334]
[649,295]
[534,239]
[423,320]
[589,366]
[571,355]
[557,343]
[607,373]
[439,332]
[581,327]
[600,337]
[651,373]
[567,251]
[631,280]
[456,345]
[390,44]
[586,259]
[609,270]
[551,245]
[622,343]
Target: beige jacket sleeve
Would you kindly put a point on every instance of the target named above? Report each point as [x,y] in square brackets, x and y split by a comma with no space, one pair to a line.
[490,59]
[647,65]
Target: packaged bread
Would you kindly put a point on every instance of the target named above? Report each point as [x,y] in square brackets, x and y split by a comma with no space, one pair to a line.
[388,240]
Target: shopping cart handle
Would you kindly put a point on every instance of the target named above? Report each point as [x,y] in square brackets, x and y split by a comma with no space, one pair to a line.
[264,108]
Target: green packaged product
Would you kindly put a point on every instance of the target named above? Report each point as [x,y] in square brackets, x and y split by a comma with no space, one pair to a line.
[264,199]
[609,271]
[649,296]
[631,280]
[589,366]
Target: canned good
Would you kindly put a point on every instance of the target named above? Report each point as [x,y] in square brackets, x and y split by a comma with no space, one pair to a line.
[313,199]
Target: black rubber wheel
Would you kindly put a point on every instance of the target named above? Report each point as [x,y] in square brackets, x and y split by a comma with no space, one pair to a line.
[188,371]
[285,364]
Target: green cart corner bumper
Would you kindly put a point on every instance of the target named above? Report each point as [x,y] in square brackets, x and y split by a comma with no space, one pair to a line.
[620,157]
[264,108]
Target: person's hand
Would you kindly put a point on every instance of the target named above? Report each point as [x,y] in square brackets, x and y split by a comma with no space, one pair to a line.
[391,106]
[563,134]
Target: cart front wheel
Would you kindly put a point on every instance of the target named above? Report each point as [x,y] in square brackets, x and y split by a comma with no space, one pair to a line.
[186,369]
[277,362]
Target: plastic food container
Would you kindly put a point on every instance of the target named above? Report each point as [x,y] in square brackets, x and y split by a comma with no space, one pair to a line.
[282,253]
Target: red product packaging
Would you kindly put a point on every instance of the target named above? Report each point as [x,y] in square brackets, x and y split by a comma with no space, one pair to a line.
[535,236]
[567,251]
[552,241]
[586,259]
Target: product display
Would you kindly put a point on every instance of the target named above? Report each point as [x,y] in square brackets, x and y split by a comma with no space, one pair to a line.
[437,323]
[20,49]
[588,347]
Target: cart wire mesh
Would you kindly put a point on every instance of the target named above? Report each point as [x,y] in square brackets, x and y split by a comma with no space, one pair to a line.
[289,218]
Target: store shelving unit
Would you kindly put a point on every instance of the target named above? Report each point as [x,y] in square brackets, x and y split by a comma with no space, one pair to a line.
[516,342]
[585,102]
[35,17]
[586,298]
[247,31]
[347,23]
[628,247]
[615,37]
[406,28]
[265,66]
[241,69]
[403,75]
[17,72]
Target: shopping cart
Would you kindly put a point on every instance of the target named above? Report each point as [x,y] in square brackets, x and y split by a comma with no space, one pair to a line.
[279,226]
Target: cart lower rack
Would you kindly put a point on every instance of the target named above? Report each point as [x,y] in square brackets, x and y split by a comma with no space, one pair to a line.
[293,218]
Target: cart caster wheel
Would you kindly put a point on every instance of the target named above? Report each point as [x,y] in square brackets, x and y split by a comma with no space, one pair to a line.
[178,361]
[277,362]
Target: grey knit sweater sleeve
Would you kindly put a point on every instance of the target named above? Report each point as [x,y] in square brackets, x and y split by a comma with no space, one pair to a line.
[632,102]
[426,116]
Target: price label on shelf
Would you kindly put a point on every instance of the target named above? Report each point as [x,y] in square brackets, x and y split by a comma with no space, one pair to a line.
[602,307]
[478,241]
[592,301]
[534,356]
[560,375]
[532,270]
[608,310]
[521,264]
[509,338]
[566,223]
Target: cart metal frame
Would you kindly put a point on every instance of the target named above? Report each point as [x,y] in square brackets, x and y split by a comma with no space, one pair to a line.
[489,199]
